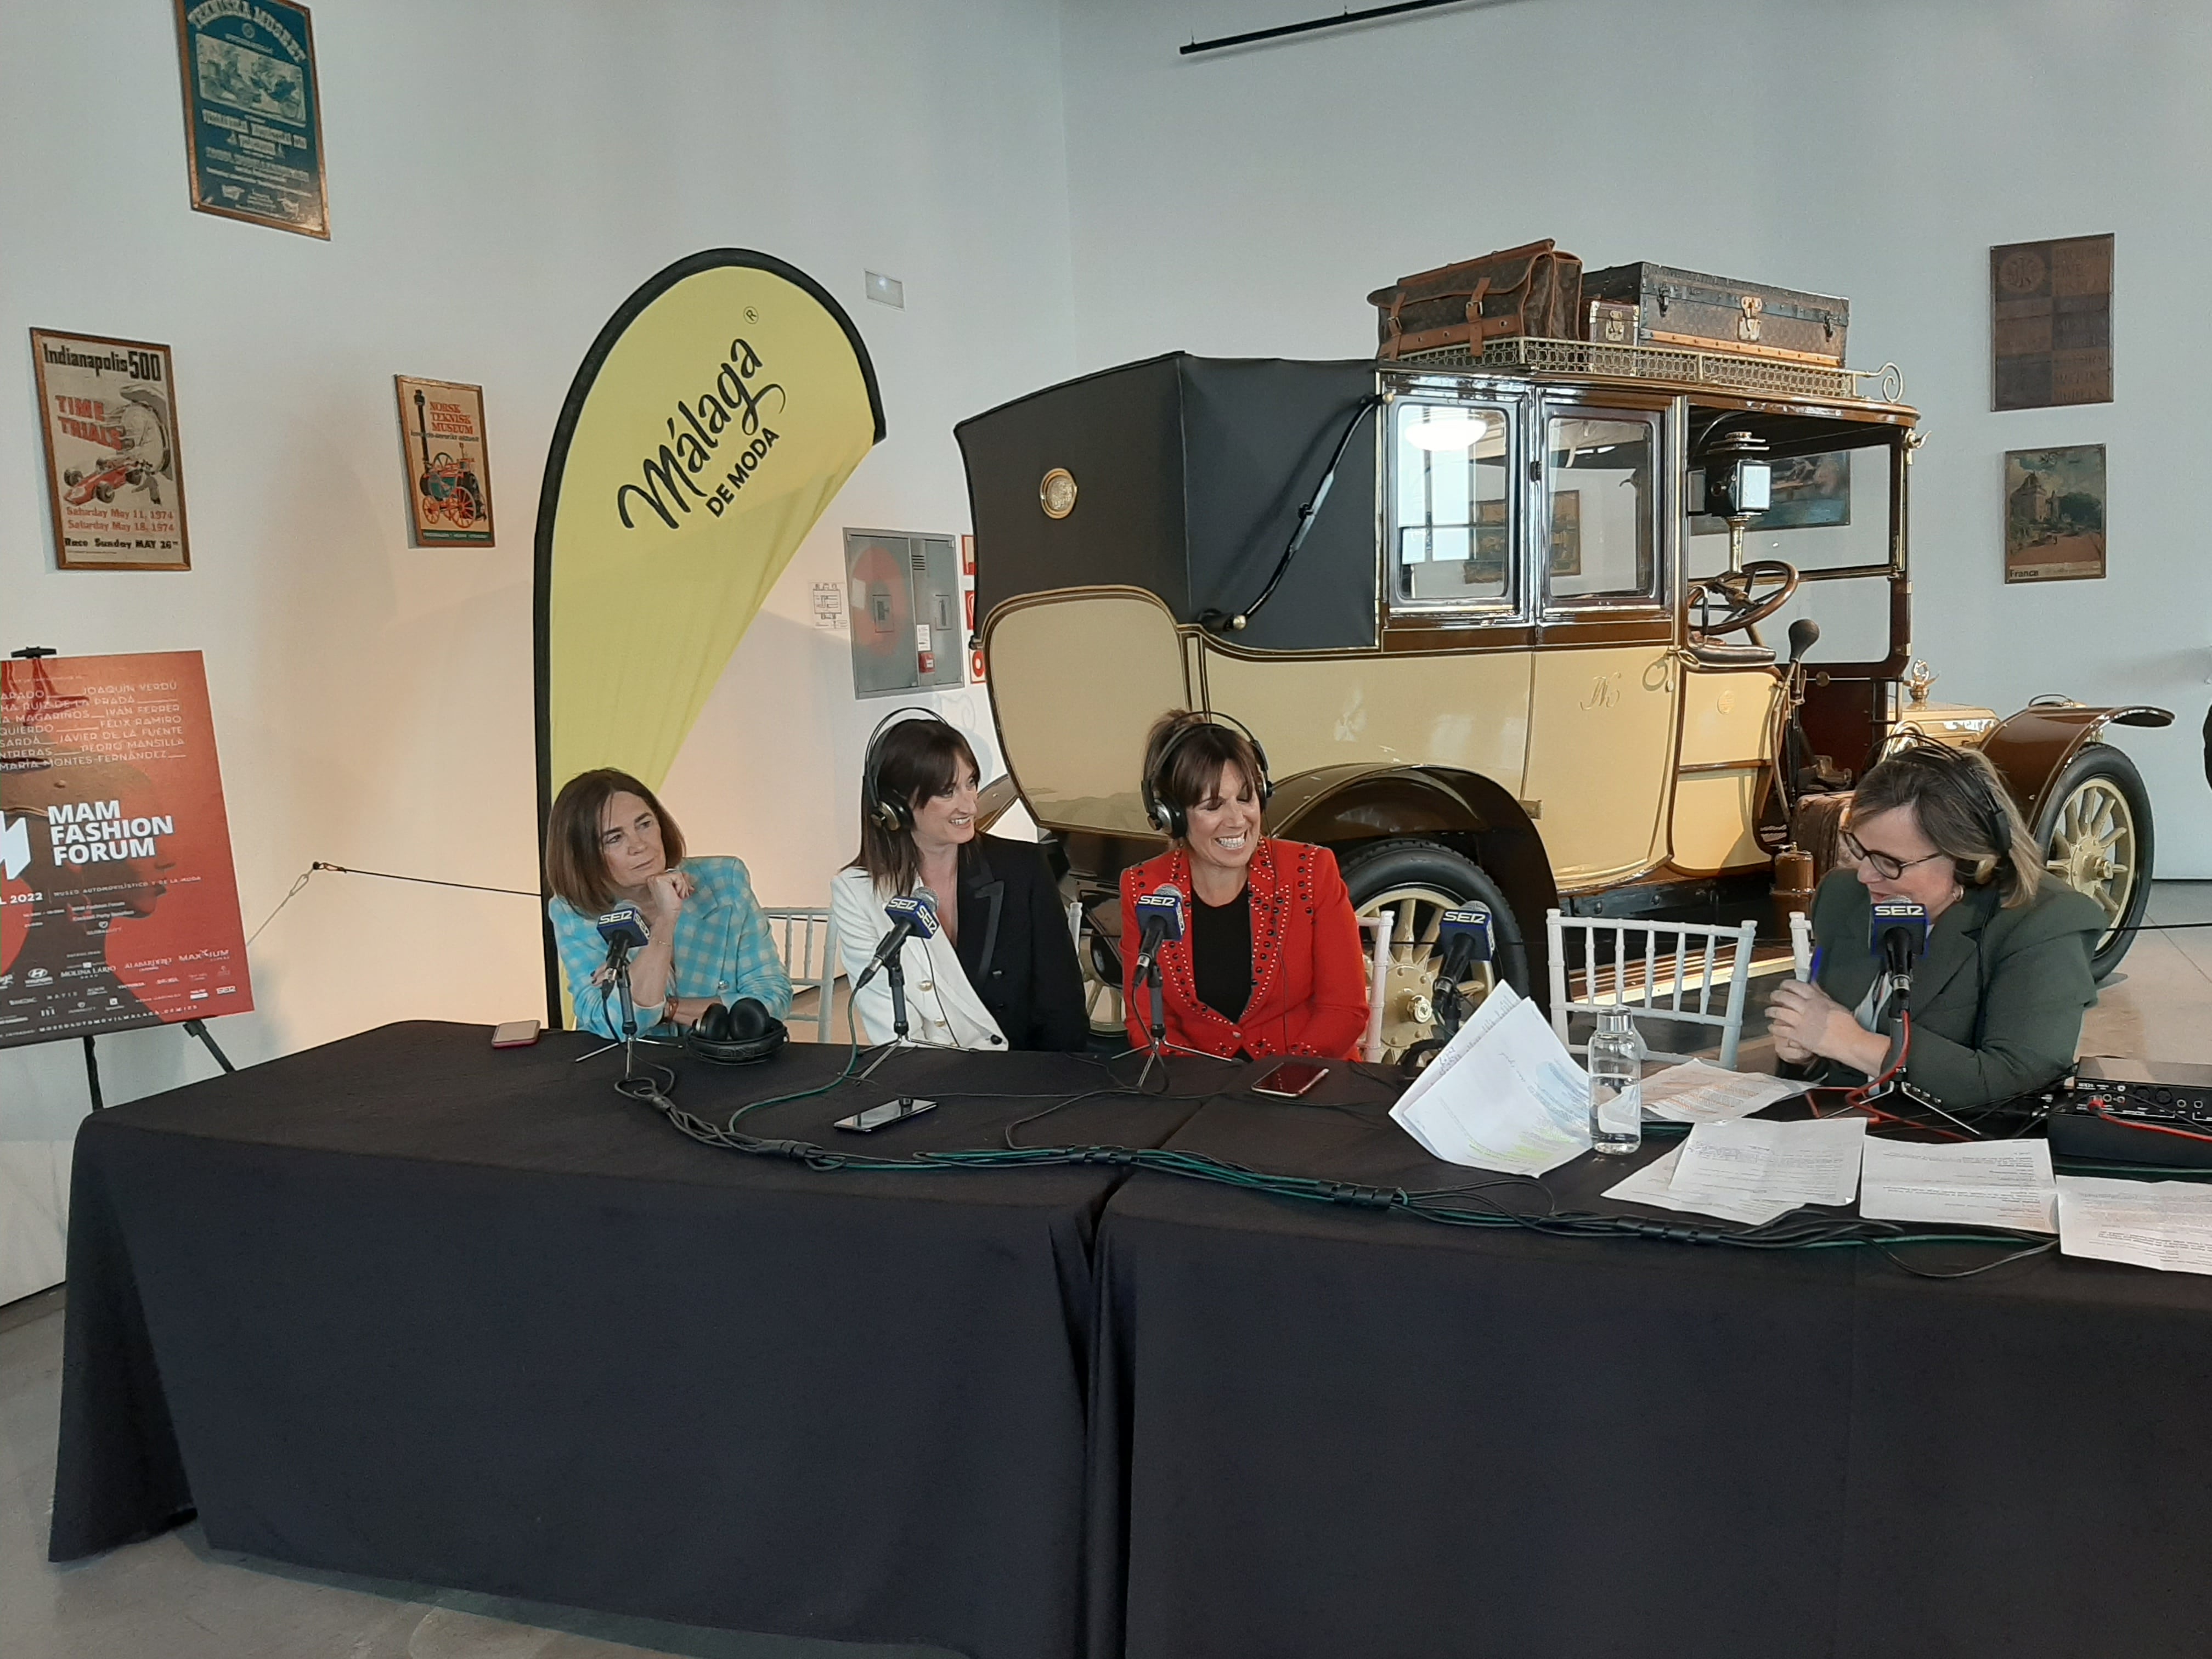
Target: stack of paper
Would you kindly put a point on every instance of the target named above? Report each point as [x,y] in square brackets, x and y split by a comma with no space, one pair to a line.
[1654,1184]
[1985,1183]
[1694,1092]
[2165,1224]
[1504,1094]
[1753,1172]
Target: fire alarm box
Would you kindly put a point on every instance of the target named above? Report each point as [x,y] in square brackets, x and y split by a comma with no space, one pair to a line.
[903,597]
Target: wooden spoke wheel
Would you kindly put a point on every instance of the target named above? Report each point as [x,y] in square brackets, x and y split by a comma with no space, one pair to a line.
[2096,834]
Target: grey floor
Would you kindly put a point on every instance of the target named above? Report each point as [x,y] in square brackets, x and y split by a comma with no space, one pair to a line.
[173,1597]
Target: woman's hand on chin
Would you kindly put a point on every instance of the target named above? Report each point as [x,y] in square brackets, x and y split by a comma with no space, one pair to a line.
[664,898]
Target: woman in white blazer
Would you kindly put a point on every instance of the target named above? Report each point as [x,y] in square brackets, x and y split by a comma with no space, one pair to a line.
[1001,972]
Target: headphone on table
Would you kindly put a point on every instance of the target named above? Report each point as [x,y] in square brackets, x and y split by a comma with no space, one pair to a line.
[1943,757]
[737,1034]
[1173,818]
[893,814]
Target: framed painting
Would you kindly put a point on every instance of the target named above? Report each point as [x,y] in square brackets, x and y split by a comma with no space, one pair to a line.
[2054,508]
[2051,323]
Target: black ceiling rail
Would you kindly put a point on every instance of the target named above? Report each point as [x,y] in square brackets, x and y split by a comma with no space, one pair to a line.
[1365,15]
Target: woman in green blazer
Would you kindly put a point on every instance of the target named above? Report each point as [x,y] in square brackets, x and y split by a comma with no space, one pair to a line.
[1997,1004]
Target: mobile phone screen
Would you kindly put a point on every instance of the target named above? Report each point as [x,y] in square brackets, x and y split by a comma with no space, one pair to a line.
[889,1112]
[1292,1077]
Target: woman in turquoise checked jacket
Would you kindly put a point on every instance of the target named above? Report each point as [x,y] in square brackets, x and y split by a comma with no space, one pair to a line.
[610,841]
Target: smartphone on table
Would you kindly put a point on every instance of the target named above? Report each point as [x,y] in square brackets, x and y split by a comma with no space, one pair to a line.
[891,1111]
[1290,1080]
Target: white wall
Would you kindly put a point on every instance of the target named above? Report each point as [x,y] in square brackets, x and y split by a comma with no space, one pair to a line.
[501,176]
[1245,203]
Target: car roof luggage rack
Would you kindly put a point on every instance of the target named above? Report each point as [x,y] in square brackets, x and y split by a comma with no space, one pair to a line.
[1723,371]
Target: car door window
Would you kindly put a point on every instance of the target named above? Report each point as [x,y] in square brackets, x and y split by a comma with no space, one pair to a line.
[1451,520]
[1601,470]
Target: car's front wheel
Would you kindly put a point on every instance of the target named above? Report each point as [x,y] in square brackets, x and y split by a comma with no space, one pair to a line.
[2096,834]
[1416,881]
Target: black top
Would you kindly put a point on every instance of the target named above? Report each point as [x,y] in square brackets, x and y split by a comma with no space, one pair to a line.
[1015,946]
[1221,953]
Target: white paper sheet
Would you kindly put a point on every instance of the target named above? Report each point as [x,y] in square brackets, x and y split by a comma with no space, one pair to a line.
[2166,1224]
[1504,1094]
[1653,1184]
[1750,1162]
[1983,1184]
[1694,1092]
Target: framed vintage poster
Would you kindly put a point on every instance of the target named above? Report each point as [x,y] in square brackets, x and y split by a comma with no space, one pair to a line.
[441,436]
[1566,532]
[2051,323]
[2055,514]
[117,484]
[253,113]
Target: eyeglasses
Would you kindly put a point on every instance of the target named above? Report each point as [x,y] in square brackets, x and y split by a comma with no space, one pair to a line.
[1888,868]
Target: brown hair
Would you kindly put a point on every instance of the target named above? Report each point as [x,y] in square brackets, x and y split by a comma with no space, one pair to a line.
[1963,807]
[575,864]
[1194,749]
[913,761]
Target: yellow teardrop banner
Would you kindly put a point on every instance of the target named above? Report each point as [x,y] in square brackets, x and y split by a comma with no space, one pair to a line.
[713,420]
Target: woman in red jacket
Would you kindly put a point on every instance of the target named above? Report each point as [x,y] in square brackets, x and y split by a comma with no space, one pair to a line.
[1269,961]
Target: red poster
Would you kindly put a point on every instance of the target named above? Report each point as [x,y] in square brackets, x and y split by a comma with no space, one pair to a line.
[121,905]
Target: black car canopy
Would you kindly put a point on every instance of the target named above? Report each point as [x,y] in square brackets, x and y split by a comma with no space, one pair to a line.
[1189,472]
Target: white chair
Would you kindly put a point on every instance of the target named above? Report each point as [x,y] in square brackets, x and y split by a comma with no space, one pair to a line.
[796,930]
[1378,979]
[1649,981]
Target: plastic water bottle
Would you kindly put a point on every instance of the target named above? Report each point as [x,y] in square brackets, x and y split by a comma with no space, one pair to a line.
[1616,1082]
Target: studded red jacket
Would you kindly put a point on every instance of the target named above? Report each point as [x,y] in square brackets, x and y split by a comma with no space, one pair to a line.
[1308,981]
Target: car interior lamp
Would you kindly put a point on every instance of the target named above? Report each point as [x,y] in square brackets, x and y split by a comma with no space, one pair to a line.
[1455,430]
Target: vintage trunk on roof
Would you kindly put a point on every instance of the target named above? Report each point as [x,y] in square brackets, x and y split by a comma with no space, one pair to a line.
[1533,289]
[1719,313]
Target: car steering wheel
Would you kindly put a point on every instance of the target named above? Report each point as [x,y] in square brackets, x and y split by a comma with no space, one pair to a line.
[1745,597]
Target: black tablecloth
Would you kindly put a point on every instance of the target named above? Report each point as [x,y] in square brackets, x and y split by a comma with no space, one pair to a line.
[407,1306]
[1326,1432]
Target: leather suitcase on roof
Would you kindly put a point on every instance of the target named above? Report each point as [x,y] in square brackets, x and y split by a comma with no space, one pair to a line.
[1689,310]
[1536,289]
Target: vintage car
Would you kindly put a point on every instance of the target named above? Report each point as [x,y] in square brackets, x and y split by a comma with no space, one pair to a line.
[1507,656]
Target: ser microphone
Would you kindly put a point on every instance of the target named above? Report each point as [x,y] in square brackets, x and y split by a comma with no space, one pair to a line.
[1159,921]
[623,929]
[915,917]
[1464,937]
[1900,936]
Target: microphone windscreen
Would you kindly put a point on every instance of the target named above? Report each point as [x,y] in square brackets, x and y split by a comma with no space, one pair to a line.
[1164,906]
[1903,919]
[917,911]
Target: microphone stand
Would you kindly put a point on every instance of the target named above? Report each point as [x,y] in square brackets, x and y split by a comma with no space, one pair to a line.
[628,1040]
[895,972]
[1157,1051]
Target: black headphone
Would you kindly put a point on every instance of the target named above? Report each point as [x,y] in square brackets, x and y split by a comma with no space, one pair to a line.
[894,815]
[1173,818]
[1941,757]
[736,1035]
